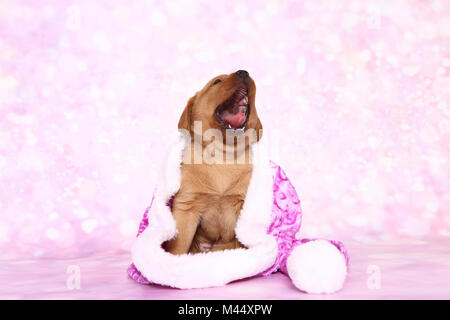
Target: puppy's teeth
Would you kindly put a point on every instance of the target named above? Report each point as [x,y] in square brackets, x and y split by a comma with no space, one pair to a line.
[243,101]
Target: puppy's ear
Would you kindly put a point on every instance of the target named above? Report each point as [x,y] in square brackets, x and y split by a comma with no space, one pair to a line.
[186,117]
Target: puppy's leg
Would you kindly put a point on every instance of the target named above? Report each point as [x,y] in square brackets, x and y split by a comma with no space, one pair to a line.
[187,220]
[187,223]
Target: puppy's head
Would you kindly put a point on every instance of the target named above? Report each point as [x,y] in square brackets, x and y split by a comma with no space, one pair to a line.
[226,103]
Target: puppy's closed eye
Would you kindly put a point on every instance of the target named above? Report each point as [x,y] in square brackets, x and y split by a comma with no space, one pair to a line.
[217,81]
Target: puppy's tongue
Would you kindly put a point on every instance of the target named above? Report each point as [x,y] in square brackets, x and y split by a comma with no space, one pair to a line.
[236,121]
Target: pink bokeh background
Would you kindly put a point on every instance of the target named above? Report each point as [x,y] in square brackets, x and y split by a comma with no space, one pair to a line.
[354,96]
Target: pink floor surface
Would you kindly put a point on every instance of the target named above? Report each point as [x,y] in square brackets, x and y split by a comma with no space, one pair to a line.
[382,270]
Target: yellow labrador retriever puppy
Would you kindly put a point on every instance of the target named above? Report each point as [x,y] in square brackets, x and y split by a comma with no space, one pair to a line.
[213,190]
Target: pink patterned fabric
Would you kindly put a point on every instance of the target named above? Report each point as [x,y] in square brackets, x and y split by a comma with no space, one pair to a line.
[286,222]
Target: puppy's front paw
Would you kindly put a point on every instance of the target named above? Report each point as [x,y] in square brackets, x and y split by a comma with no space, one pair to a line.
[204,247]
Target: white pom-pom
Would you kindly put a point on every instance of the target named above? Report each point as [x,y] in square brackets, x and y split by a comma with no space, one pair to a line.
[317,267]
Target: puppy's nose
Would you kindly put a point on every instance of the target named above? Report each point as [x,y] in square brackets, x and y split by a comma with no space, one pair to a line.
[242,73]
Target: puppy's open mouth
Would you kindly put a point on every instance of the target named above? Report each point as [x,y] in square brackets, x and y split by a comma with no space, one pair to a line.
[233,112]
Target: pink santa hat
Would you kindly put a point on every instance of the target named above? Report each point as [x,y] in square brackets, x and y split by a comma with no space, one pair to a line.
[268,226]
